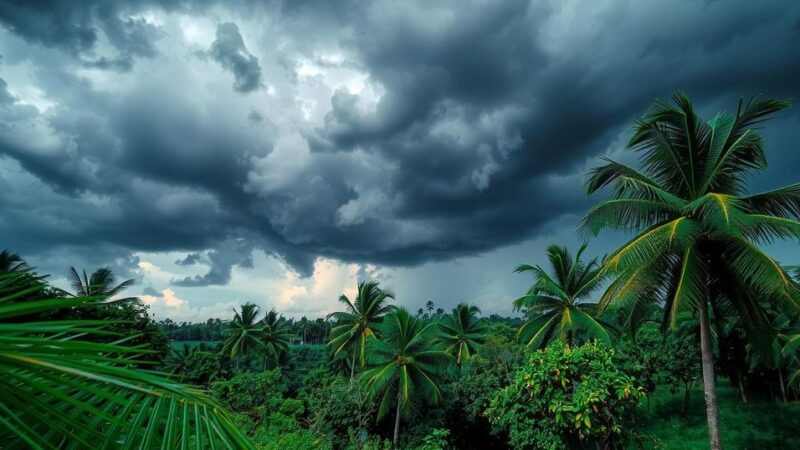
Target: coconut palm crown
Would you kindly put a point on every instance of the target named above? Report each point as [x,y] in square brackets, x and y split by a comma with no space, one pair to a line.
[463,332]
[557,303]
[358,323]
[697,228]
[99,285]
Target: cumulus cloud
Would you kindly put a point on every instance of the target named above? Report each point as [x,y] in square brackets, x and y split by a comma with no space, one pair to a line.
[229,51]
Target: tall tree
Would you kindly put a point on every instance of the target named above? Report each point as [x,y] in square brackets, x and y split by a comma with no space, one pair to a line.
[243,334]
[357,324]
[463,332]
[404,365]
[429,306]
[275,336]
[556,304]
[99,285]
[697,228]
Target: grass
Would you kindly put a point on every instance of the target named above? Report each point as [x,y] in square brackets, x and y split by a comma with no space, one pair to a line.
[760,424]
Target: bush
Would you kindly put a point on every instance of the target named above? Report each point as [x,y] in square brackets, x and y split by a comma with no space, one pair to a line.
[341,408]
[566,398]
[247,391]
[436,440]
[201,367]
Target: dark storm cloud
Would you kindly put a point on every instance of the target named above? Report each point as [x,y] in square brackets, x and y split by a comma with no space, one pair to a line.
[76,27]
[236,252]
[487,116]
[190,259]
[230,52]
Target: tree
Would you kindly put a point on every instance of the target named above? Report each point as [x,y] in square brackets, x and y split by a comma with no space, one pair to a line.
[404,365]
[275,336]
[462,332]
[357,324]
[100,285]
[243,334]
[566,398]
[697,228]
[11,262]
[429,306]
[556,302]
[61,390]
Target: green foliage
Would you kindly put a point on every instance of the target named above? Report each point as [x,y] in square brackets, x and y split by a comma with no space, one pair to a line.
[247,391]
[340,407]
[492,369]
[201,368]
[62,389]
[556,304]
[436,440]
[462,332]
[566,398]
[354,327]
[404,364]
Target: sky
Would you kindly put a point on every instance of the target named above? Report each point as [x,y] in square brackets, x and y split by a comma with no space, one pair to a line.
[276,152]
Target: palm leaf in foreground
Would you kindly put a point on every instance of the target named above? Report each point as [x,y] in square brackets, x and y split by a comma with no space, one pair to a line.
[61,391]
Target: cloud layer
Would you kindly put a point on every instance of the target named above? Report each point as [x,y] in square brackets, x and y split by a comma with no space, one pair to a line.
[386,133]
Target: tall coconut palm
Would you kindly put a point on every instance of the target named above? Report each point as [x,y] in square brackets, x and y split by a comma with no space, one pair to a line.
[697,228]
[62,390]
[99,285]
[275,336]
[463,332]
[429,306]
[357,324]
[556,303]
[404,365]
[243,333]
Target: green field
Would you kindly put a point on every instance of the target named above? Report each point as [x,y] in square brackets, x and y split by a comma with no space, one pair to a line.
[178,345]
[761,424]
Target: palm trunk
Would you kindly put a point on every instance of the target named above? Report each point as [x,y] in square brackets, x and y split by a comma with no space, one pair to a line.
[709,380]
[741,390]
[396,423]
[353,363]
[783,388]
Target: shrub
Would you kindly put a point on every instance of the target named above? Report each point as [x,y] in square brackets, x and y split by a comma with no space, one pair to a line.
[201,368]
[247,391]
[436,440]
[566,398]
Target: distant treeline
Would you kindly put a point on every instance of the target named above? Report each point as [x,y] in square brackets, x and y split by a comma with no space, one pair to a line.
[309,331]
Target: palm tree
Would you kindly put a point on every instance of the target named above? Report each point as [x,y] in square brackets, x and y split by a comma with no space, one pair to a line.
[462,332]
[243,333]
[11,262]
[99,285]
[355,326]
[697,228]
[404,365]
[557,302]
[429,307]
[275,337]
[63,391]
